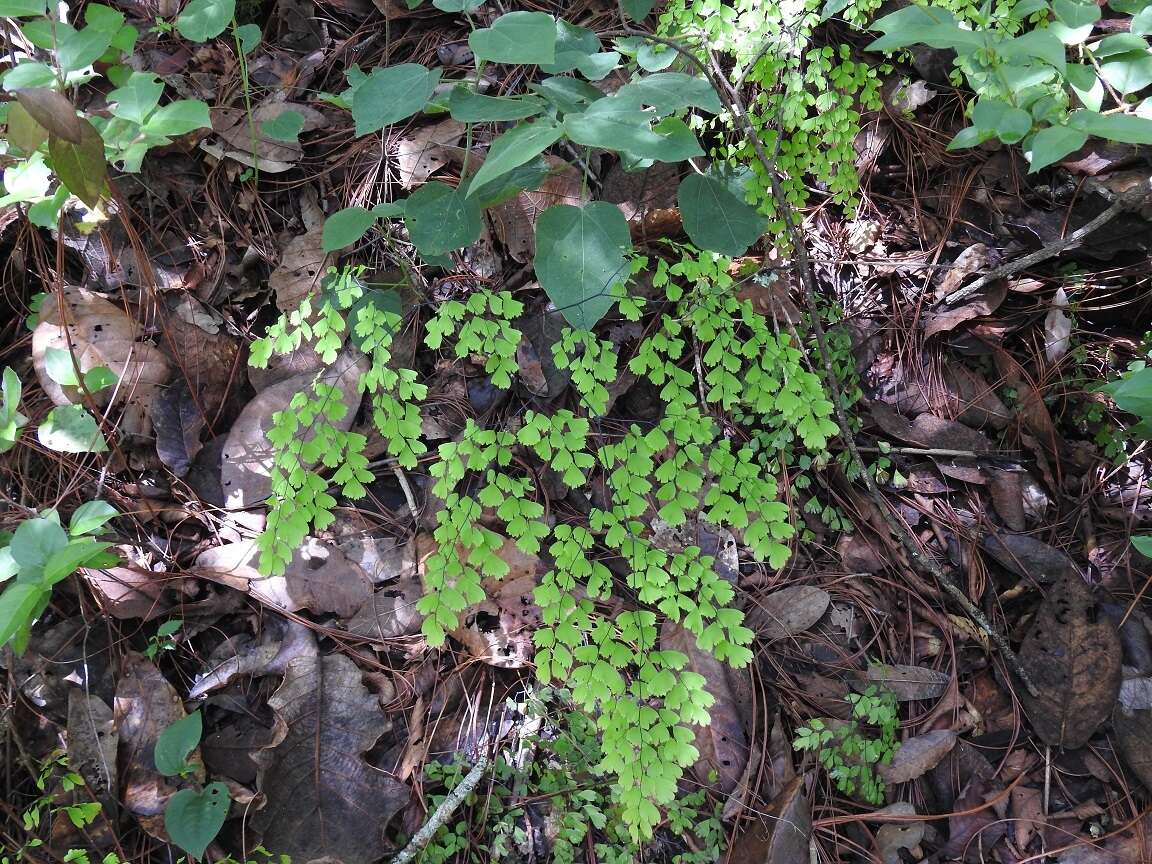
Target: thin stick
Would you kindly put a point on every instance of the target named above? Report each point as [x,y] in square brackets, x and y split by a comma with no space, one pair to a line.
[444,812]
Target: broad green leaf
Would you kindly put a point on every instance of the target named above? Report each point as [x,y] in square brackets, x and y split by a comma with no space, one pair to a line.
[388,210]
[1124,128]
[469,107]
[54,112]
[80,48]
[1143,545]
[285,126]
[46,213]
[1076,14]
[11,390]
[391,94]
[573,45]
[457,5]
[1128,7]
[1008,123]
[81,167]
[932,26]
[58,364]
[98,378]
[137,97]
[1086,84]
[516,37]
[637,10]
[176,743]
[1142,22]
[1128,72]
[1052,144]
[179,118]
[34,541]
[615,125]
[528,176]
[22,8]
[28,75]
[71,429]
[669,92]
[1133,393]
[345,227]
[568,94]
[202,20]
[968,137]
[1037,44]
[82,552]
[193,819]
[23,130]
[90,516]
[515,147]
[8,565]
[581,254]
[249,36]
[715,218]
[1116,44]
[27,180]
[18,605]
[441,218]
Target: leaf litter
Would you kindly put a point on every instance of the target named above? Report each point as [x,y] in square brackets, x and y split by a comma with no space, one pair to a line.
[325,704]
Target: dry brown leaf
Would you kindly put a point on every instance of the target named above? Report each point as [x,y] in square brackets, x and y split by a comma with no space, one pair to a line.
[722,744]
[929,431]
[1027,809]
[909,683]
[1029,558]
[146,704]
[891,837]
[788,611]
[319,577]
[1072,652]
[973,261]
[93,739]
[859,555]
[425,150]
[390,612]
[302,265]
[322,798]
[986,301]
[129,592]
[1134,735]
[1006,489]
[244,140]
[97,332]
[514,222]
[781,835]
[246,463]
[918,755]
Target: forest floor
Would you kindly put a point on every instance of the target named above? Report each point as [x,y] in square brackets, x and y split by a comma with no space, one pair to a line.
[325,711]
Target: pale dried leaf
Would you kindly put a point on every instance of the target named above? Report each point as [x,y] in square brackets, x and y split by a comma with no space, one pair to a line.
[93,739]
[246,464]
[1057,328]
[514,222]
[891,837]
[129,592]
[303,262]
[97,333]
[425,150]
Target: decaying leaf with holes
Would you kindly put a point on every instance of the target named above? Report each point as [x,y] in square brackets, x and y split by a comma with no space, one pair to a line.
[722,744]
[514,221]
[1073,653]
[97,332]
[323,799]
[499,630]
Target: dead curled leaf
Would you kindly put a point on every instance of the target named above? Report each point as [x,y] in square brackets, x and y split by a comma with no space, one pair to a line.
[722,744]
[322,797]
[918,755]
[909,683]
[97,332]
[1073,654]
[319,577]
[894,836]
[246,463]
[781,835]
[788,611]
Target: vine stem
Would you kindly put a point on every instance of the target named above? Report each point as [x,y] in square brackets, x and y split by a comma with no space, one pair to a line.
[444,812]
[802,267]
